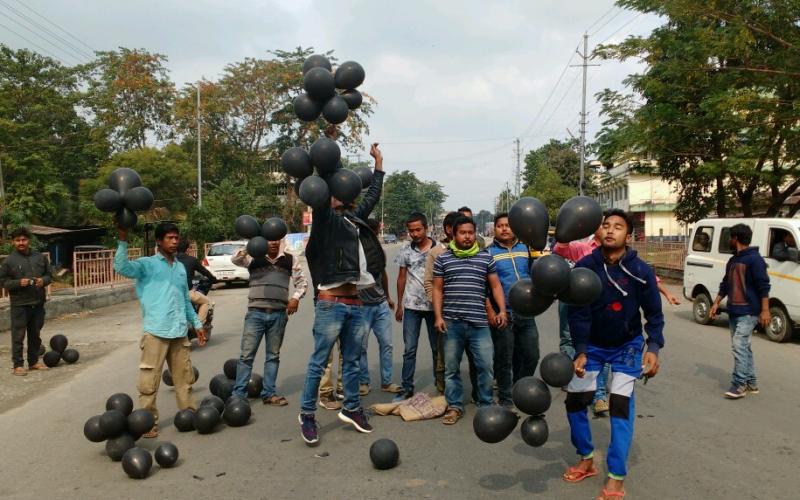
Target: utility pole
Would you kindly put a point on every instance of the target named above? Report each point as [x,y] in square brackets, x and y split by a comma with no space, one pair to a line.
[517,172]
[199,154]
[585,65]
[3,196]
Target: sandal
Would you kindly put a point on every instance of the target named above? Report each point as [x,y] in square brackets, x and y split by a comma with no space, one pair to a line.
[451,416]
[611,494]
[152,433]
[275,400]
[19,371]
[576,474]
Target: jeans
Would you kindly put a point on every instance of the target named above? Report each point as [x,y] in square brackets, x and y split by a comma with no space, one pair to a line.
[26,320]
[412,324]
[516,353]
[335,320]
[744,368]
[565,346]
[460,334]
[260,323]
[378,318]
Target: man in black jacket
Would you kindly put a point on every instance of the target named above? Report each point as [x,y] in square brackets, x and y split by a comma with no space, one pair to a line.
[25,274]
[191,264]
[343,255]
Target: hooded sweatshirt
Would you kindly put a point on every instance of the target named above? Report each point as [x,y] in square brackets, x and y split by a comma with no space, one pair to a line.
[746,282]
[615,318]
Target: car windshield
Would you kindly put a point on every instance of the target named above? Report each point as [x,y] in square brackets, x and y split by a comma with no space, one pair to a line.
[224,249]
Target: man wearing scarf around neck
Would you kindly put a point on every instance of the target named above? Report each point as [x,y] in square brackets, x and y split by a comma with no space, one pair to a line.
[460,277]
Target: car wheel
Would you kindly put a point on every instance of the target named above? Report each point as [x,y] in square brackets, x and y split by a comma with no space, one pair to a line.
[780,328]
[702,308]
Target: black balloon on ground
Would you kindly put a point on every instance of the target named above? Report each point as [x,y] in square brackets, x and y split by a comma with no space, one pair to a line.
[345,185]
[138,199]
[92,430]
[584,287]
[184,420]
[531,395]
[247,226]
[214,401]
[316,61]
[493,424]
[353,98]
[349,75]
[107,200]
[166,455]
[206,419]
[306,108]
[556,369]
[117,446]
[274,229]
[113,423]
[225,390]
[237,412]
[335,110]
[140,422]
[297,163]
[523,298]
[59,342]
[166,377]
[70,355]
[550,274]
[51,358]
[216,380]
[257,246]
[384,454]
[366,176]
[229,368]
[126,218]
[534,430]
[578,218]
[314,192]
[255,385]
[124,179]
[529,220]
[325,155]
[137,463]
[120,401]
[319,84]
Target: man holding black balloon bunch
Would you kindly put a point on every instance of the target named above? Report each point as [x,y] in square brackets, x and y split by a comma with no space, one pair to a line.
[344,256]
[167,313]
[610,331]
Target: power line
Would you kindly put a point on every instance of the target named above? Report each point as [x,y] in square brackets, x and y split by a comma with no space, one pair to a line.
[57,26]
[73,48]
[605,23]
[609,11]
[34,44]
[26,28]
[620,28]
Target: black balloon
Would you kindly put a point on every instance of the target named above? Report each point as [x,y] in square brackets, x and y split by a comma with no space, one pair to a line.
[550,274]
[493,424]
[138,199]
[225,390]
[314,192]
[206,419]
[166,455]
[578,218]
[126,218]
[120,401]
[70,355]
[274,229]
[140,422]
[247,226]
[316,61]
[306,108]
[556,369]
[117,446]
[184,420]
[215,401]
[113,423]
[216,380]
[325,155]
[335,110]
[534,430]
[297,163]
[51,358]
[196,374]
[349,75]
[166,377]
[58,342]
[237,412]
[584,287]
[353,98]
[319,85]
[523,298]
[124,179]
[92,430]
[255,385]
[229,368]
[384,454]
[531,395]
[366,176]
[257,246]
[107,200]
[345,185]
[529,220]
[137,463]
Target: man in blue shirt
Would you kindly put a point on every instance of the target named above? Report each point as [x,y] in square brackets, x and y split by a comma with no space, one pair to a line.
[516,347]
[167,313]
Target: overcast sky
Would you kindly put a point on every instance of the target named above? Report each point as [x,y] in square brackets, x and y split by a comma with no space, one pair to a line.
[456,81]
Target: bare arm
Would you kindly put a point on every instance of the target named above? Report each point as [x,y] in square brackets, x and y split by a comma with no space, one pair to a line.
[385,286]
[499,298]
[438,304]
[401,288]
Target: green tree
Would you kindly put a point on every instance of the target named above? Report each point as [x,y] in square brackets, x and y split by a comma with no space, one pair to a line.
[716,105]
[504,201]
[405,193]
[561,156]
[550,189]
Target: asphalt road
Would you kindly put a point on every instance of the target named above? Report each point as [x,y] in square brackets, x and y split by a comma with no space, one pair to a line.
[690,442]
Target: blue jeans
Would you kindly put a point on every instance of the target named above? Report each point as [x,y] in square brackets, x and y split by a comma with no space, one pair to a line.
[460,334]
[744,368]
[378,318]
[260,323]
[334,320]
[516,353]
[565,346]
[412,324]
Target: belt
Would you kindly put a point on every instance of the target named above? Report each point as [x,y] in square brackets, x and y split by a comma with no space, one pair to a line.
[352,300]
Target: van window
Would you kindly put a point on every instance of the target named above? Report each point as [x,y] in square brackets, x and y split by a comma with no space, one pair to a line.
[702,239]
[782,245]
[725,241]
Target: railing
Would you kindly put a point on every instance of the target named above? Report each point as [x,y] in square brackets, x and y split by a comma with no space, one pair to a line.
[4,293]
[662,254]
[95,269]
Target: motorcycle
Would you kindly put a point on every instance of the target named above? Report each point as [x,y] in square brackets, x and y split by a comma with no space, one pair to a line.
[203,285]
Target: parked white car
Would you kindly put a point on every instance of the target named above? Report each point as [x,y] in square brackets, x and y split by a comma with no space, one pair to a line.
[218,261]
[709,251]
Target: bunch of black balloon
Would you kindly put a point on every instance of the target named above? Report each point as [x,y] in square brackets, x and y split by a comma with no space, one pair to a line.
[119,426]
[532,396]
[329,93]
[125,196]
[259,235]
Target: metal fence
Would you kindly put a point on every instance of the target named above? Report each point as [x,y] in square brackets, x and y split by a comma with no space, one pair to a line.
[95,269]
[662,254]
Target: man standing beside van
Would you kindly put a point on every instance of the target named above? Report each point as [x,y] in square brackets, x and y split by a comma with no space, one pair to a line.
[746,284]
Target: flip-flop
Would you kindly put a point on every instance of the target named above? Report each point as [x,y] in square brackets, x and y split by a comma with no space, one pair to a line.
[613,494]
[276,400]
[578,474]
[451,417]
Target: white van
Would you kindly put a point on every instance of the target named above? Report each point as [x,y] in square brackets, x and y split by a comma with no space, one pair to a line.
[709,251]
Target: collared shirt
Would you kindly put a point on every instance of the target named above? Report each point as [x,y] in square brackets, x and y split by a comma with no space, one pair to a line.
[575,250]
[242,259]
[414,296]
[163,295]
[465,287]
